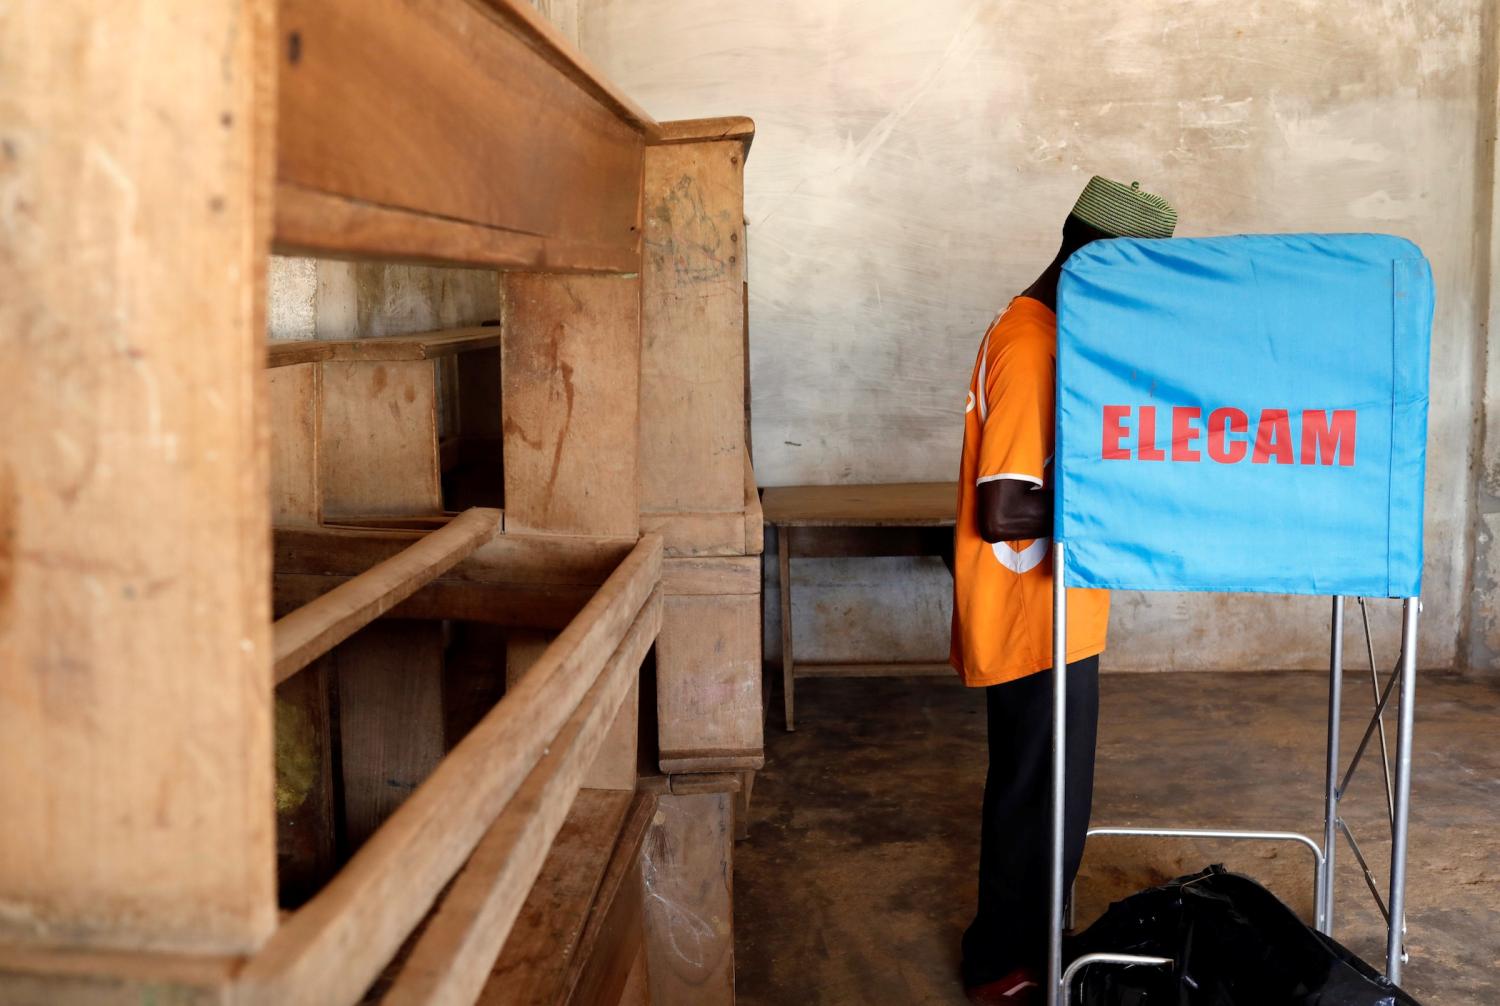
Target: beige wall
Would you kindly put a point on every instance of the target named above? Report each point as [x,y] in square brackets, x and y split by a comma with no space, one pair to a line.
[911,170]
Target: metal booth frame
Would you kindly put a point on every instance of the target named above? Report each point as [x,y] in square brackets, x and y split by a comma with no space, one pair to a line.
[1398,792]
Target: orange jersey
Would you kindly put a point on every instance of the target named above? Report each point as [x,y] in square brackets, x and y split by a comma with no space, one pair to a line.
[1002,592]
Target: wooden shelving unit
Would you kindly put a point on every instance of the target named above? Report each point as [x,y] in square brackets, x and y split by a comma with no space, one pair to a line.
[218,554]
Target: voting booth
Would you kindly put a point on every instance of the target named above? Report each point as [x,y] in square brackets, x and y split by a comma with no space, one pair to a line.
[1246,414]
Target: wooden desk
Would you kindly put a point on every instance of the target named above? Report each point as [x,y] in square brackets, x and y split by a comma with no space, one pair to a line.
[905,518]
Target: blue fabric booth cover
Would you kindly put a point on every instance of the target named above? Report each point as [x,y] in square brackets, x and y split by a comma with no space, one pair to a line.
[1244,414]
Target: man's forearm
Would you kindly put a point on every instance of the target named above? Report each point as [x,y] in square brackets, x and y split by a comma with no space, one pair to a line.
[1012,510]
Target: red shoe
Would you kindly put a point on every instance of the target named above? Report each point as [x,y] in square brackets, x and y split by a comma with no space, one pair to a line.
[1022,987]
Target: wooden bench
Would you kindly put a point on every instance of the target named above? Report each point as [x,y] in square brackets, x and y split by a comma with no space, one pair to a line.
[207,537]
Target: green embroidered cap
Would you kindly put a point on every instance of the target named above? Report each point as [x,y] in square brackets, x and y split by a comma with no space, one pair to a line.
[1124,211]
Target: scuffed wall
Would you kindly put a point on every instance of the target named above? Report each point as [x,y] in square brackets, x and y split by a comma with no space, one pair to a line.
[911,169]
[563,14]
[333,299]
[1480,641]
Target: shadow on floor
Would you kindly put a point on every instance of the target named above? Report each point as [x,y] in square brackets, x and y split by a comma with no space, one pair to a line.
[858,876]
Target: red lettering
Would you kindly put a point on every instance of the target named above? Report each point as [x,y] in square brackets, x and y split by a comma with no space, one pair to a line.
[1327,436]
[1146,437]
[1222,422]
[1273,438]
[1114,431]
[1319,437]
[1183,435]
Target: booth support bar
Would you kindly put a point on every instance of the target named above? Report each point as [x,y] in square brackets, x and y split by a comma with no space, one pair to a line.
[1331,791]
[1059,775]
[1394,952]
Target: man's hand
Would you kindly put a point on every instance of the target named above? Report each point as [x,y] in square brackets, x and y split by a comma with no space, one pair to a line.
[1013,510]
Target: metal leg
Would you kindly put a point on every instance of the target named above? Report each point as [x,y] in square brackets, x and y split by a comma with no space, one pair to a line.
[1331,784]
[1406,716]
[1059,774]
[784,576]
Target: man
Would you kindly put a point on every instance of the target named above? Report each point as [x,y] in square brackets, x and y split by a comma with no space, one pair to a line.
[1002,611]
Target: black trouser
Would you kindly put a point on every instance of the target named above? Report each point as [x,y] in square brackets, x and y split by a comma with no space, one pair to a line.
[1010,928]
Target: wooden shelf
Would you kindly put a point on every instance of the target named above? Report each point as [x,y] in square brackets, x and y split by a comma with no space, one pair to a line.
[290,352]
[526,755]
[376,155]
[383,349]
[453,957]
[572,927]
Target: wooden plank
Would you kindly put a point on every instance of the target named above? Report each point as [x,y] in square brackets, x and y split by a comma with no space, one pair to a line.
[459,944]
[292,352]
[712,761]
[570,366]
[103,990]
[316,628]
[136,782]
[294,411]
[708,681]
[333,947]
[724,575]
[895,670]
[613,942]
[378,449]
[902,504]
[385,348]
[698,534]
[391,731]
[540,33]
[43,977]
[203,970]
[418,107]
[617,764]
[392,522]
[755,518]
[316,223]
[692,317]
[737,128]
[687,866]
[688,783]
[547,935]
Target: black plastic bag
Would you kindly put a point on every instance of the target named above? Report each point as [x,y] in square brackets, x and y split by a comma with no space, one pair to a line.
[1233,943]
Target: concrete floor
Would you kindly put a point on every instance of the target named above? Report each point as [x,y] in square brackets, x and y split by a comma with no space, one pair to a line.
[859,872]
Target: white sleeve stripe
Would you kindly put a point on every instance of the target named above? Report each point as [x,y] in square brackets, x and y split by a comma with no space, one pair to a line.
[1008,475]
[981,395]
